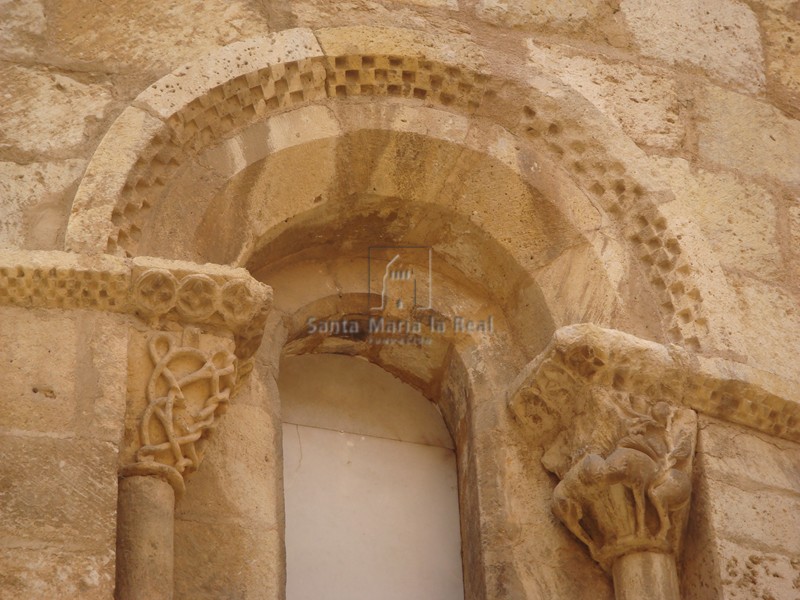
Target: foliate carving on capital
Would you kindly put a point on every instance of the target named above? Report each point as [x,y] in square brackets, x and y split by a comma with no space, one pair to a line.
[625,474]
[186,393]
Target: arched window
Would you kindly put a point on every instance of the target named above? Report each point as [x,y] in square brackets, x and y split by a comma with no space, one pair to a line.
[370,485]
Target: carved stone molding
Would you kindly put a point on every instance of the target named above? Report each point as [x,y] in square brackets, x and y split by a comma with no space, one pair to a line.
[625,470]
[543,396]
[155,290]
[186,392]
[616,417]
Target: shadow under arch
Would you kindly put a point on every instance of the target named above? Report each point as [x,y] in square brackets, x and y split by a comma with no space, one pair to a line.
[453,372]
[215,98]
[190,140]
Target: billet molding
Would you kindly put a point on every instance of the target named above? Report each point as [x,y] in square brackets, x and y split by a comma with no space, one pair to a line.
[155,290]
[214,98]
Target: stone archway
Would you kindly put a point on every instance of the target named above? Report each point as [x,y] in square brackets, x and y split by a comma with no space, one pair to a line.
[544,130]
[179,162]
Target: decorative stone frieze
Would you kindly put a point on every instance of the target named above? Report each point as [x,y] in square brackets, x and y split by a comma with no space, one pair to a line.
[158,291]
[545,394]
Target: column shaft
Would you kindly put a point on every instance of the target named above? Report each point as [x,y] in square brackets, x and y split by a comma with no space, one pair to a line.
[646,576]
[145,539]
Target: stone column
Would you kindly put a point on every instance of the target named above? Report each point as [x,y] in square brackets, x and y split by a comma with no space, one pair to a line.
[182,373]
[650,575]
[145,518]
[610,412]
[625,487]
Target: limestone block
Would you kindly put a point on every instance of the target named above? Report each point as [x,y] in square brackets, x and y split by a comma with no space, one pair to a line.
[178,89]
[794,239]
[738,219]
[57,517]
[437,15]
[642,100]
[68,376]
[238,474]
[22,28]
[46,113]
[227,559]
[448,4]
[772,337]
[743,455]
[569,13]
[782,46]
[35,204]
[721,38]
[749,572]
[231,511]
[747,136]
[43,573]
[153,36]
[38,379]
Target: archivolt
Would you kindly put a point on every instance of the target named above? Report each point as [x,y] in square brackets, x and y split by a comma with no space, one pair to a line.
[225,95]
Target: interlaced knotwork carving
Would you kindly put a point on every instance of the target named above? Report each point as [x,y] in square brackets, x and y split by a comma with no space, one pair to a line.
[186,392]
[625,475]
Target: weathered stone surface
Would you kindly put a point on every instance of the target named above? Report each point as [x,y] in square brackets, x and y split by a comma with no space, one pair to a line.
[203,567]
[40,573]
[748,458]
[747,136]
[22,28]
[47,113]
[57,516]
[738,219]
[781,32]
[751,571]
[794,241]
[230,514]
[38,379]
[772,336]
[35,202]
[642,100]
[156,36]
[68,379]
[540,210]
[145,538]
[720,38]
[569,13]
[438,15]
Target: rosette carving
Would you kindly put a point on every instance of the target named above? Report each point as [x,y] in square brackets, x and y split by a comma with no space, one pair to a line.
[197,297]
[155,291]
[239,305]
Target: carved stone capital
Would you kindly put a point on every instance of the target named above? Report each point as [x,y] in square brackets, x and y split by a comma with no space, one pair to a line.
[625,474]
[187,390]
[616,417]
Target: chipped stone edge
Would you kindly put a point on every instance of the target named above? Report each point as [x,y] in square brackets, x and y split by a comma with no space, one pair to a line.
[585,355]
